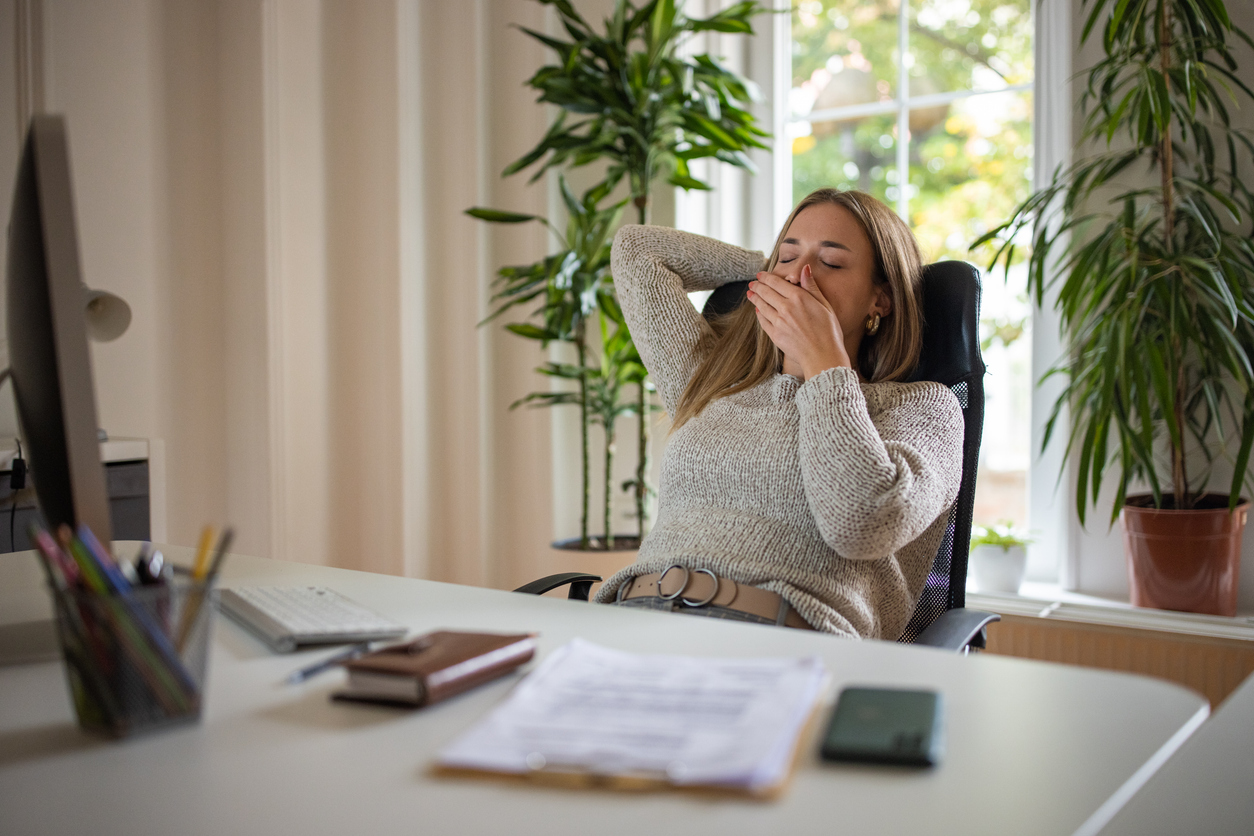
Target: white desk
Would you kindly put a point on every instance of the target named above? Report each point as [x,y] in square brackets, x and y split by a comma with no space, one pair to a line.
[1032,747]
[1207,786]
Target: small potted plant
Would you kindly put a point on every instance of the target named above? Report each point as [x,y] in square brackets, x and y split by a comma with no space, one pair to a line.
[999,557]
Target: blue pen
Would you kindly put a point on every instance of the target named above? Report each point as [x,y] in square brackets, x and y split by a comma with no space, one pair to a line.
[353,652]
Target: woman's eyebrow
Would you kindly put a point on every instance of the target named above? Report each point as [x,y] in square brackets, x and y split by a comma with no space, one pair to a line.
[822,244]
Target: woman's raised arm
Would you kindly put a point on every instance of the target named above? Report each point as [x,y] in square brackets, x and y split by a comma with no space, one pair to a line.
[654,269]
[875,484]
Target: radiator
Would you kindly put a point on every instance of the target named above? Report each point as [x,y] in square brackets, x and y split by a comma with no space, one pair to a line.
[1210,665]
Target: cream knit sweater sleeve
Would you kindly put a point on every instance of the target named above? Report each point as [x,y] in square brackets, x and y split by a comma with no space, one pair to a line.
[879,463]
[654,269]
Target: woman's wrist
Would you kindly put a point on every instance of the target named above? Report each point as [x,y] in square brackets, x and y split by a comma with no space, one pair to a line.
[812,366]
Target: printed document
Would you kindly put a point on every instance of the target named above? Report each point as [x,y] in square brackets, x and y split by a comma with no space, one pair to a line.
[686,720]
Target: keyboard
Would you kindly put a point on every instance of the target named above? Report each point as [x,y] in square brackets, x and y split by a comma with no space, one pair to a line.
[286,617]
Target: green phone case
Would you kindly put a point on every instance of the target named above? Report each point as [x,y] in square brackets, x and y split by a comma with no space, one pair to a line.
[885,725]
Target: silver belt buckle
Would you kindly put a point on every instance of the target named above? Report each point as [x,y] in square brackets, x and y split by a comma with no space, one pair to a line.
[709,597]
[677,592]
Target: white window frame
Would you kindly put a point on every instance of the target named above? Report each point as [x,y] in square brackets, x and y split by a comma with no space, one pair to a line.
[1051,493]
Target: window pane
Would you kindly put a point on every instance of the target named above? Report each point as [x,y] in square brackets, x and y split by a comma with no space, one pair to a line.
[969,45]
[844,53]
[1005,451]
[847,154]
[970,165]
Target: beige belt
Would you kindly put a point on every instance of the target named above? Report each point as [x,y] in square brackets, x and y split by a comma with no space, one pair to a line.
[701,587]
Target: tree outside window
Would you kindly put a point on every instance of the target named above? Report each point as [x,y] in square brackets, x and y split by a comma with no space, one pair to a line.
[927,104]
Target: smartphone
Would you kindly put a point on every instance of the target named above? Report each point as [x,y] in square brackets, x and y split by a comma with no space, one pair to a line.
[885,725]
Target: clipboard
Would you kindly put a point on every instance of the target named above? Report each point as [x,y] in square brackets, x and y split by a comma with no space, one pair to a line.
[594,718]
[573,779]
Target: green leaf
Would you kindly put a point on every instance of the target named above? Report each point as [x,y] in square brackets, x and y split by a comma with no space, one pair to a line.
[719,24]
[732,19]
[567,11]
[1163,390]
[529,331]
[501,217]
[1160,101]
[1098,8]
[708,129]
[1240,471]
[573,205]
[1082,478]
[661,24]
[689,183]
[1113,26]
[562,48]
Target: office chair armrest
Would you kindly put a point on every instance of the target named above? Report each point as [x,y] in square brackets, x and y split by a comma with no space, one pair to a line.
[957,629]
[580,584]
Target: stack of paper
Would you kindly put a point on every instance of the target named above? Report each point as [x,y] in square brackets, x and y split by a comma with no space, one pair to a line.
[730,723]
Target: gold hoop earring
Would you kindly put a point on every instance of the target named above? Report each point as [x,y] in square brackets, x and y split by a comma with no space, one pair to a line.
[872,324]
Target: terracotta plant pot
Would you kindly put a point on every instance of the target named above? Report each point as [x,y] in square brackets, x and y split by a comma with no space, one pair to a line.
[1184,560]
[596,560]
[622,543]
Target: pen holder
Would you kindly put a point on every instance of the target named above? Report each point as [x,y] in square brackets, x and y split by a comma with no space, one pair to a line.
[135,661]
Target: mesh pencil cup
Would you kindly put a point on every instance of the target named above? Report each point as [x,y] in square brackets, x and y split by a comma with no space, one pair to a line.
[135,661]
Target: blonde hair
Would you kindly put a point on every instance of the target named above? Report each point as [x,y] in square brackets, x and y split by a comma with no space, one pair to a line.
[739,355]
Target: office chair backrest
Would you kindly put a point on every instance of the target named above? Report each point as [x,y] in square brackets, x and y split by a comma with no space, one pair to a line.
[951,356]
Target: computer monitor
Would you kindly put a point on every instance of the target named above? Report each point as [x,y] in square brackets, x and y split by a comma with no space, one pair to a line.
[48,354]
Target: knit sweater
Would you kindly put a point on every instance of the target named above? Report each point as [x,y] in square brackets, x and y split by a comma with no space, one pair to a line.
[831,492]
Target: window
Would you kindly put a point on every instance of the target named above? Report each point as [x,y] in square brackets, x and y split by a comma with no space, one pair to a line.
[927,104]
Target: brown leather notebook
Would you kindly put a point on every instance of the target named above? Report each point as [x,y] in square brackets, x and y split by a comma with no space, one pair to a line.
[434,667]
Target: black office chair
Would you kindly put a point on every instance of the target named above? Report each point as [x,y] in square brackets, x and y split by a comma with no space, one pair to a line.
[950,355]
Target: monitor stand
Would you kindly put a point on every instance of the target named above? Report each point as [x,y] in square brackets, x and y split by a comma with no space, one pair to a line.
[28,642]
[27,630]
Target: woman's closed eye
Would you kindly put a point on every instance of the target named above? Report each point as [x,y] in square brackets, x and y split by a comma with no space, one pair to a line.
[784,260]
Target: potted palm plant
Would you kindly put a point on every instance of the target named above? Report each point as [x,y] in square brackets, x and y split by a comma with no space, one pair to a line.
[1154,281]
[999,557]
[628,97]
[569,285]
